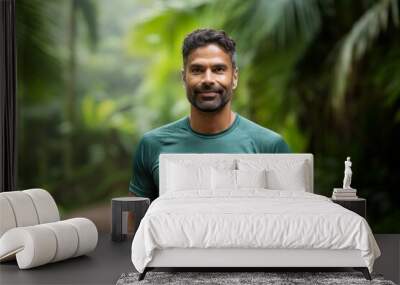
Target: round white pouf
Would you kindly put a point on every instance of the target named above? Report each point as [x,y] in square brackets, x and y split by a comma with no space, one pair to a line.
[7,218]
[23,208]
[67,240]
[40,244]
[33,246]
[31,232]
[87,233]
[45,205]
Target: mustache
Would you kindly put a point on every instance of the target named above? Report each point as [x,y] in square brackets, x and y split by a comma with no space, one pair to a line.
[203,89]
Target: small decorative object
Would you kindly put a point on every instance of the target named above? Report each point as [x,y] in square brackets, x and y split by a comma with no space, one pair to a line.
[347,192]
[347,174]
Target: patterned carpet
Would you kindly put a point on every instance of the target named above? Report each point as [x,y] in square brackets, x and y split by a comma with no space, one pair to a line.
[243,278]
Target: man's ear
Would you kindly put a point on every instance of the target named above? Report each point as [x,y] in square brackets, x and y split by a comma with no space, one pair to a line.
[235,78]
[183,77]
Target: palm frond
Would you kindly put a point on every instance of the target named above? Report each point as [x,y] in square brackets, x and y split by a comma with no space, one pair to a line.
[279,22]
[355,44]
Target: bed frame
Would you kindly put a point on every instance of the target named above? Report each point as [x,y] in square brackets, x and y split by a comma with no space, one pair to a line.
[240,259]
[256,258]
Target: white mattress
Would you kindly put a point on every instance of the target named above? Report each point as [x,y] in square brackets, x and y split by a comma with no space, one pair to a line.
[251,218]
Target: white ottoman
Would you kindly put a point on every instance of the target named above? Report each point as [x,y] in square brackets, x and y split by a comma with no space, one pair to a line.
[31,232]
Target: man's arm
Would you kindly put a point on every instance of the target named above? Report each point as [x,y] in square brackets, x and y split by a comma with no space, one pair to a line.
[141,184]
[281,146]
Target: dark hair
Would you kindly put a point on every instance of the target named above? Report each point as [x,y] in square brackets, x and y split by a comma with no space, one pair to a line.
[203,37]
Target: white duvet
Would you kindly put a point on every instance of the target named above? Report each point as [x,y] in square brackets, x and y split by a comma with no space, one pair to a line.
[250,218]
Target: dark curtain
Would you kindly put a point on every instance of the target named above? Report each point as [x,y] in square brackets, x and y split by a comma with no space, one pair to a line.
[7,96]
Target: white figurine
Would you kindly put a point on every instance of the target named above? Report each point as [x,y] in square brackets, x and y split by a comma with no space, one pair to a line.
[347,174]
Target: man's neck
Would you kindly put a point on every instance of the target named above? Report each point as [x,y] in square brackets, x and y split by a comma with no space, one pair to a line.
[211,123]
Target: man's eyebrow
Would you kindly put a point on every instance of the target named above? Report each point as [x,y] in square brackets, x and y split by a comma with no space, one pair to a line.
[199,65]
[220,65]
[195,65]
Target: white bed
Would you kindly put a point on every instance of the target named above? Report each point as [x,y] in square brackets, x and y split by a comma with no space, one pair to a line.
[247,210]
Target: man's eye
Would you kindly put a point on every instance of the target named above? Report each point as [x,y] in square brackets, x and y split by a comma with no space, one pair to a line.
[219,69]
[196,70]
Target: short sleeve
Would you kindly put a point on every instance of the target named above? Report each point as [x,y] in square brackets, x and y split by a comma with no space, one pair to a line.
[281,146]
[142,183]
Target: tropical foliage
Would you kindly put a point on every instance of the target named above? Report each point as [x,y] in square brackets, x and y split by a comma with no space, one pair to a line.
[323,73]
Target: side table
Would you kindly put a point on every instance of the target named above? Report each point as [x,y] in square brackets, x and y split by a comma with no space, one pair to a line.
[120,208]
[357,205]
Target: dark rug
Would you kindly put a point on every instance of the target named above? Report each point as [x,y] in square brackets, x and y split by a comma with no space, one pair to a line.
[229,278]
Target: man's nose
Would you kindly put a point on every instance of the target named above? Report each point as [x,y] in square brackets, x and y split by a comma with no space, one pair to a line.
[208,77]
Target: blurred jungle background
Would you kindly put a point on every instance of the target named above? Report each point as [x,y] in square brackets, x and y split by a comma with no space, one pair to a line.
[94,75]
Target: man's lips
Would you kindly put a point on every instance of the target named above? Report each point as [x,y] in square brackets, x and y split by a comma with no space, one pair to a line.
[208,94]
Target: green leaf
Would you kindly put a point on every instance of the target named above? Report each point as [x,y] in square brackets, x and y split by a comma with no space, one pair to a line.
[355,44]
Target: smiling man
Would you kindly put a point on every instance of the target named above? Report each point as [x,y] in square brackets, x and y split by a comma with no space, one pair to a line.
[210,76]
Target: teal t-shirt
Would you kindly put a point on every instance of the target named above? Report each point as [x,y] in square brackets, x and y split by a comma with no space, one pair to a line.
[243,136]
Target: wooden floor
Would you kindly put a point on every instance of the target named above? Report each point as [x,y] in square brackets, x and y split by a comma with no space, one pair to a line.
[110,259]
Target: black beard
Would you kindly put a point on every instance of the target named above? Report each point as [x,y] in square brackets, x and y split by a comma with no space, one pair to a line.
[223,95]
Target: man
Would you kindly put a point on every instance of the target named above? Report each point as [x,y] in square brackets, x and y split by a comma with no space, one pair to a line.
[210,75]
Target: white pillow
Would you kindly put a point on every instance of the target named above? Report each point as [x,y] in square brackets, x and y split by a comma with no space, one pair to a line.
[236,179]
[283,174]
[251,178]
[291,179]
[181,178]
[203,161]
[223,179]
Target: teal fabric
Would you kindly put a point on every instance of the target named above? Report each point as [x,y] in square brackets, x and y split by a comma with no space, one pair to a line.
[243,136]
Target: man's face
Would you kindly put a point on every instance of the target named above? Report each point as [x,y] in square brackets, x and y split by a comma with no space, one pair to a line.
[209,78]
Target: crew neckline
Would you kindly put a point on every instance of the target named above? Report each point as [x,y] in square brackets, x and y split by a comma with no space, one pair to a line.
[216,135]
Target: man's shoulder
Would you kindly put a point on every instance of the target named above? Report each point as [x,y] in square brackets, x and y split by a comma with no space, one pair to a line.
[266,139]
[256,130]
[165,131]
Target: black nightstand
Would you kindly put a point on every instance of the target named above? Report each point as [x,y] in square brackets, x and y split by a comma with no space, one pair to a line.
[357,205]
[120,208]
